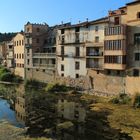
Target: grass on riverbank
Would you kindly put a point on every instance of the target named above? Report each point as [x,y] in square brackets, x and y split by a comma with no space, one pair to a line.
[123,117]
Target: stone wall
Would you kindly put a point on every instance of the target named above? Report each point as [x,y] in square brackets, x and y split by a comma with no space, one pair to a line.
[42,75]
[81,83]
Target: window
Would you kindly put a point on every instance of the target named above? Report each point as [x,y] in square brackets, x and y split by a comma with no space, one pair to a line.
[97,39]
[138,15]
[77,65]
[77,29]
[137,38]
[28,41]
[28,69]
[62,31]
[22,42]
[116,20]
[37,40]
[77,53]
[28,50]
[118,72]
[62,50]
[77,76]
[17,56]
[135,72]
[22,56]
[19,42]
[137,56]
[108,72]
[62,67]
[98,71]
[62,58]
[37,29]
[62,74]
[43,70]
[28,61]
[37,69]
[28,29]
[96,28]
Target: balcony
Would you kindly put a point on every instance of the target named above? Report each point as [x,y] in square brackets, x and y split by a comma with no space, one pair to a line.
[94,44]
[44,55]
[94,55]
[115,30]
[95,66]
[114,66]
[71,55]
[47,66]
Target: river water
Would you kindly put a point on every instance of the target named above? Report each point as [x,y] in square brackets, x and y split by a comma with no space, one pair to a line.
[7,114]
[58,116]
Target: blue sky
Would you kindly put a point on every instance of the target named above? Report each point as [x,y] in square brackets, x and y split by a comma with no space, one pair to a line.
[15,13]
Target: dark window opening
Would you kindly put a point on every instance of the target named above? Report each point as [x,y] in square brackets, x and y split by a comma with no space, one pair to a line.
[43,70]
[116,20]
[135,72]
[37,29]
[62,50]
[108,72]
[62,67]
[37,40]
[62,31]
[62,75]
[77,65]
[77,76]
[77,51]
[137,38]
[138,15]
[97,39]
[96,28]
[98,71]
[137,56]
[77,29]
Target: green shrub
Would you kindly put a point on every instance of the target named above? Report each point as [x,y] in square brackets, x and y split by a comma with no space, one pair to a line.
[136,100]
[57,87]
[34,83]
[122,98]
[49,87]
[8,77]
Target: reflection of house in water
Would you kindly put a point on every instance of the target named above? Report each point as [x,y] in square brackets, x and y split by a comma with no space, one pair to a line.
[20,109]
[71,110]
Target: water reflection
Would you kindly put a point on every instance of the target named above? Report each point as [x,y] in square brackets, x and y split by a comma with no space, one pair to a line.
[63,117]
[7,114]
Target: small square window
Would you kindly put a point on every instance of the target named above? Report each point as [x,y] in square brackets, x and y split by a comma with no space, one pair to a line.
[97,39]
[62,67]
[37,69]
[98,71]
[77,76]
[28,69]
[96,28]
[138,15]
[62,75]
[43,70]
[135,72]
[62,31]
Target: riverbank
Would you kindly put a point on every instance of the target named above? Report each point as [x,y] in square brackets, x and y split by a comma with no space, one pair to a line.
[10,132]
[124,118]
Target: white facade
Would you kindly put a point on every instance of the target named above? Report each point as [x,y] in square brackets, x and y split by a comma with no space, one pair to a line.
[79,46]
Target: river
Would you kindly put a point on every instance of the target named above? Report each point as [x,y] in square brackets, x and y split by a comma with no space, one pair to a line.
[7,114]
